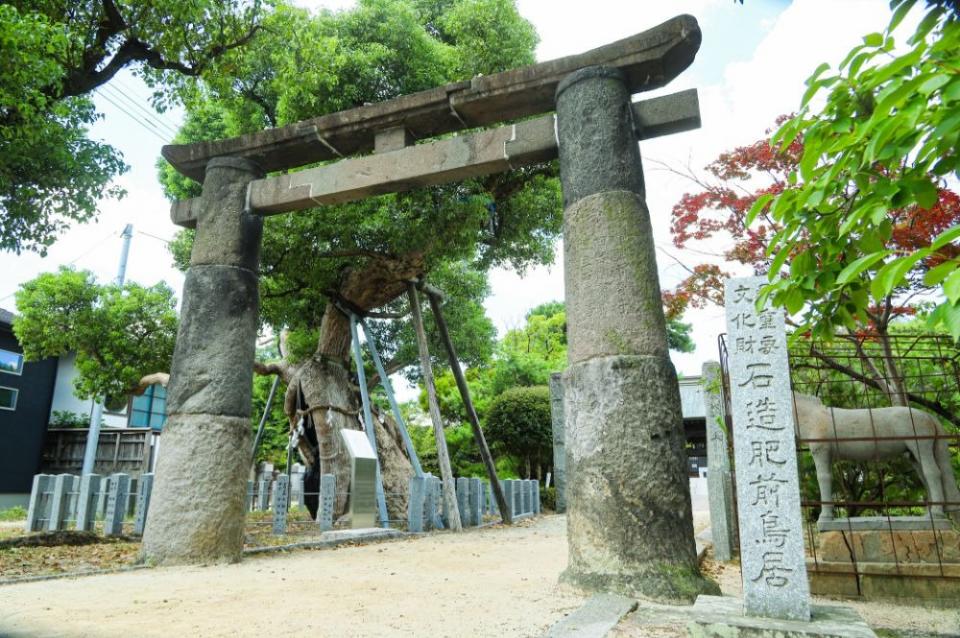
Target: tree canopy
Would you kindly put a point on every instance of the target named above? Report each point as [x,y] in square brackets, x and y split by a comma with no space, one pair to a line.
[119,334]
[865,216]
[54,54]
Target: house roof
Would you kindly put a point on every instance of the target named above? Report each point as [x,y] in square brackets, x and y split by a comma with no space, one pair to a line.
[6,317]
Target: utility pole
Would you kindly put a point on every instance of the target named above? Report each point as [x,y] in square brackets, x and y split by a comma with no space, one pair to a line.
[93,435]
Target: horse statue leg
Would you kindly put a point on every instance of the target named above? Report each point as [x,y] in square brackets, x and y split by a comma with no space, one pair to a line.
[823,461]
[951,492]
[924,454]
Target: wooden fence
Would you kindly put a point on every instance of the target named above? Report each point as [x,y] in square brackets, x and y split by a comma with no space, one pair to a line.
[125,451]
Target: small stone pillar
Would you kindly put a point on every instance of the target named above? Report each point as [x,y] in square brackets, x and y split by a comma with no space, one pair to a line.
[87,502]
[559,453]
[463,500]
[39,502]
[328,498]
[281,505]
[719,481]
[197,514]
[119,490]
[630,529]
[63,488]
[144,491]
[416,503]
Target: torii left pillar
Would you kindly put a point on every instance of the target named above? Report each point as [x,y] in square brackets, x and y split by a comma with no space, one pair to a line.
[197,510]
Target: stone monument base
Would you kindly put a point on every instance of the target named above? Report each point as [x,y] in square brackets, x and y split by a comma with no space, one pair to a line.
[723,617]
[927,584]
[902,560]
[890,546]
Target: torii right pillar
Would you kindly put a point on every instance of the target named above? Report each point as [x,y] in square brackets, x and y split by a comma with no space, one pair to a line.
[630,527]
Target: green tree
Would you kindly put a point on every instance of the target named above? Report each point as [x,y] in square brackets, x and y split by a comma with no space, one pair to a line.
[54,54]
[884,142]
[119,334]
[518,424]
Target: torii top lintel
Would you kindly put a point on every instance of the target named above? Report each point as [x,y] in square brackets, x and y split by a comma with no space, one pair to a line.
[649,60]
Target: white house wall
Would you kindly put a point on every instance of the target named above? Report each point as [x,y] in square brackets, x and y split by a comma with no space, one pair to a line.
[64,400]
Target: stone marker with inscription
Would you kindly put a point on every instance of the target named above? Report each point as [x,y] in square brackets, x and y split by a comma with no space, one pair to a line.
[768,492]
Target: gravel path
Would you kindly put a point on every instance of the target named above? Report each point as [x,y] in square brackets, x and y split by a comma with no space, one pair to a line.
[489,582]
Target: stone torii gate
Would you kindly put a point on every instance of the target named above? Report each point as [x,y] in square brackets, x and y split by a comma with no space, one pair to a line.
[630,527]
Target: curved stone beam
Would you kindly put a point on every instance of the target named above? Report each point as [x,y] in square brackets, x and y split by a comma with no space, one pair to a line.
[648,60]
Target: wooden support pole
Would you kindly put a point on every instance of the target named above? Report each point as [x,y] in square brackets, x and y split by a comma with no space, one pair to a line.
[434,296]
[443,456]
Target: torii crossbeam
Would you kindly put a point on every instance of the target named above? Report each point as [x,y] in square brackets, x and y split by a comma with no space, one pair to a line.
[629,520]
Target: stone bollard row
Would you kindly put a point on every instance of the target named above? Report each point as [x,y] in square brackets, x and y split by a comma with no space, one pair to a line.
[58,501]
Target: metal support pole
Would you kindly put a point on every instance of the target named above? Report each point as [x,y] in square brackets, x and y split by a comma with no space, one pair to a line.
[488,463]
[263,420]
[368,418]
[394,406]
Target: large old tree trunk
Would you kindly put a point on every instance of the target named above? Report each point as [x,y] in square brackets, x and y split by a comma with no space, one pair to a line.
[328,384]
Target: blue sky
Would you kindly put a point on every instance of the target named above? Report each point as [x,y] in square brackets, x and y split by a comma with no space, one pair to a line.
[750,68]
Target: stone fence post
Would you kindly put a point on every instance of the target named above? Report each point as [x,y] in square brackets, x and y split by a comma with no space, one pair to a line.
[719,480]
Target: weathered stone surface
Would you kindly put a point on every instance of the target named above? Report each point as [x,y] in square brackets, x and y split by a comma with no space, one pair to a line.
[595,128]
[913,584]
[197,517]
[890,546]
[719,481]
[64,488]
[281,505]
[630,528]
[463,500]
[559,453]
[768,491]
[39,502]
[453,159]
[87,501]
[883,523]
[648,60]
[415,504]
[328,499]
[597,616]
[144,492]
[228,233]
[118,490]
[610,276]
[721,617]
[216,343]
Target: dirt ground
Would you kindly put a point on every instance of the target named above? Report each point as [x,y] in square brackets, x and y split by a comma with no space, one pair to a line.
[490,582]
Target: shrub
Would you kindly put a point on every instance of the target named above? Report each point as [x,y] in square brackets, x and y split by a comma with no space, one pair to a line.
[519,424]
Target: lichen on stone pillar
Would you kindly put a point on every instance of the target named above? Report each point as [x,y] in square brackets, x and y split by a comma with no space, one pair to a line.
[630,527]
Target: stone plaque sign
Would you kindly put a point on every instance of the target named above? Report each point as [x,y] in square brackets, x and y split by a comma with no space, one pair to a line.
[768,494]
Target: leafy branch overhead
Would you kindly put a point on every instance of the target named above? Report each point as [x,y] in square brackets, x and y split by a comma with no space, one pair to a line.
[55,53]
[868,215]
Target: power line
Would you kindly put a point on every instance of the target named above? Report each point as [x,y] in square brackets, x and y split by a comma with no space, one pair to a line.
[140,109]
[166,241]
[77,258]
[141,122]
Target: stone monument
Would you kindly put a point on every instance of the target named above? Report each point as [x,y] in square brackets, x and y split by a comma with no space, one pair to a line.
[363,479]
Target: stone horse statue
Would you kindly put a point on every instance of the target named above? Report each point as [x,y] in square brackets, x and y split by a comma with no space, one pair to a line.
[930,457]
